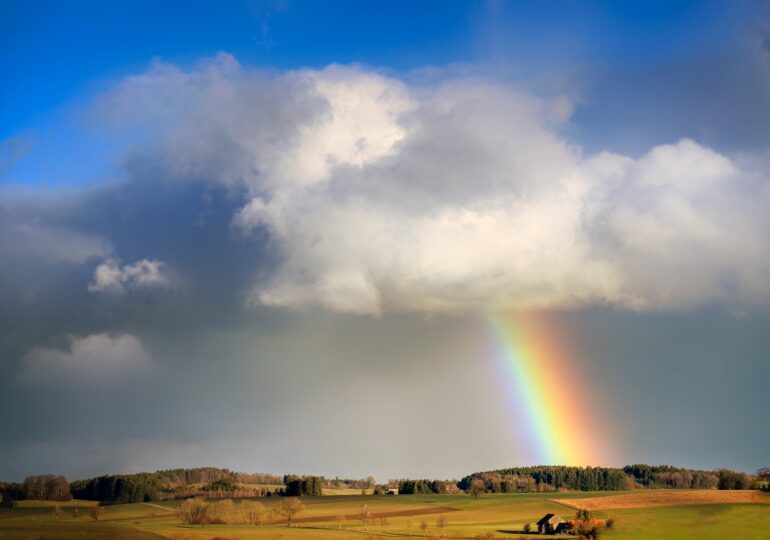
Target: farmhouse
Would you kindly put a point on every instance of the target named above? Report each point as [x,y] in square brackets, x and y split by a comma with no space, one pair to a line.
[551,524]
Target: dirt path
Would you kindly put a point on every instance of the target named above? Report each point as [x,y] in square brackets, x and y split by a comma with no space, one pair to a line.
[164,508]
[167,512]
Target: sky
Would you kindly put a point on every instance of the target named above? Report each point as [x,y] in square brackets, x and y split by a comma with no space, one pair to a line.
[392,238]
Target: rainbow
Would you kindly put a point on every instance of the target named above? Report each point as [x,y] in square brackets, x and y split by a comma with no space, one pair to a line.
[545,393]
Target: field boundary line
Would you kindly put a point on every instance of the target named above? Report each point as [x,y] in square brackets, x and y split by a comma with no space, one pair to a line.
[159,506]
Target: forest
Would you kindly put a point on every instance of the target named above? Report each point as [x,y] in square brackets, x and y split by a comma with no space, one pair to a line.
[638,476]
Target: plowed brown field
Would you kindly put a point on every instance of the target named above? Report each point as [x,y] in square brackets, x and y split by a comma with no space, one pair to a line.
[648,499]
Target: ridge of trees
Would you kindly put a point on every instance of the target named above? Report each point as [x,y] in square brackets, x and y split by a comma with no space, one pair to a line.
[666,476]
[552,478]
[416,487]
[173,484]
[549,478]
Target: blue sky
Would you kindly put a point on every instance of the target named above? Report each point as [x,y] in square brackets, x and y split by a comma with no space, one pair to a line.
[264,200]
[56,52]
[60,55]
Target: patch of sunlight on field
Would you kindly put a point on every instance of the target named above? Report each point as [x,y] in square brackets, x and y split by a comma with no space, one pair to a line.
[704,522]
[37,527]
[345,491]
[647,499]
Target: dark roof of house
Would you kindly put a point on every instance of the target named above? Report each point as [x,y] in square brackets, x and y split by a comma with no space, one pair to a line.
[547,518]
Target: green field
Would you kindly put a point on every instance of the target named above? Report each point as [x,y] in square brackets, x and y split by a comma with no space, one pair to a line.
[502,515]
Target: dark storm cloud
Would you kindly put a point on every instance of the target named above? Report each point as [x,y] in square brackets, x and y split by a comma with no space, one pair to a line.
[51,248]
[185,225]
[222,378]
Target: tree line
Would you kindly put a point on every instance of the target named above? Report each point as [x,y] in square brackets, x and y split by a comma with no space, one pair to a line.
[549,478]
[728,479]
[46,487]
[763,477]
[223,483]
[638,476]
[418,487]
[131,488]
[665,476]
[352,483]
[173,484]
[210,475]
[176,483]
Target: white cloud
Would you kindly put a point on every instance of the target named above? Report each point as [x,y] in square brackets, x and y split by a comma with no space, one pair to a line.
[97,358]
[110,277]
[455,195]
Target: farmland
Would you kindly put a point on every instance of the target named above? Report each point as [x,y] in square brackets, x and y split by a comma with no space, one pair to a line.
[641,515]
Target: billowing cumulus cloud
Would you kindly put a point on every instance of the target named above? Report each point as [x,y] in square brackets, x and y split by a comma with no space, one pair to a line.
[97,358]
[110,277]
[463,194]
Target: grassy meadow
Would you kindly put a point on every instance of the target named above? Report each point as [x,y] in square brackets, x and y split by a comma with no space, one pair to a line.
[336,516]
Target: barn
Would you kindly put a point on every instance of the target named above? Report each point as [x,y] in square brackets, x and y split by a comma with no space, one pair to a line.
[550,524]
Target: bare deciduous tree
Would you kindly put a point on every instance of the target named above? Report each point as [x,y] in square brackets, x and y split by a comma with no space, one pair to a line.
[193,512]
[441,523]
[252,512]
[97,512]
[364,514]
[477,488]
[288,508]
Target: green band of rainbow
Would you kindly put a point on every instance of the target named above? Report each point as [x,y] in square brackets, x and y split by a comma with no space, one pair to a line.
[541,385]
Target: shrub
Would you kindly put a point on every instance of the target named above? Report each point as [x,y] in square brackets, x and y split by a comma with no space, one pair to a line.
[96,512]
[194,512]
[252,512]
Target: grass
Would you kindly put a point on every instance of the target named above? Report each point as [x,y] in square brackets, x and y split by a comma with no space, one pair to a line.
[704,522]
[503,515]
